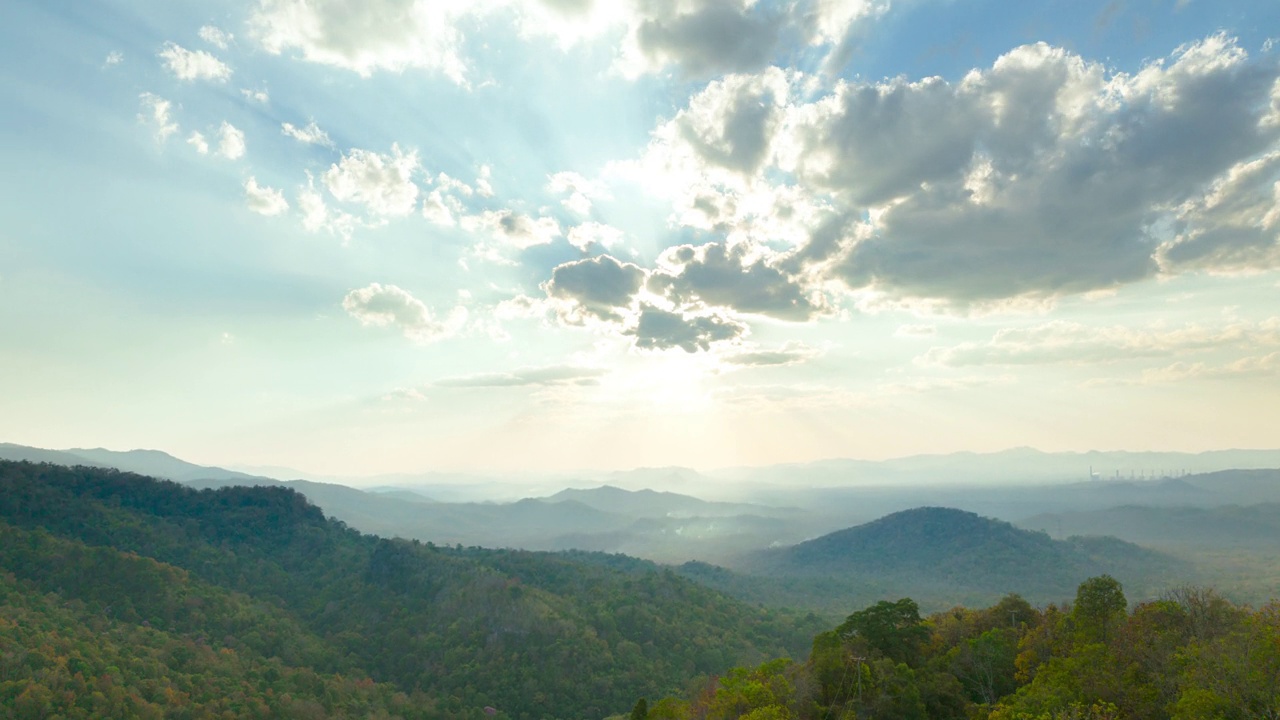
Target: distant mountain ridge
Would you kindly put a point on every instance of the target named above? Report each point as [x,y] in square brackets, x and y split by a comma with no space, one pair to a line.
[656,504]
[1016,465]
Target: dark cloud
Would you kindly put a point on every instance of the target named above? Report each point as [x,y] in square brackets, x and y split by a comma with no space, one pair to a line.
[1042,176]
[598,286]
[660,329]
[872,143]
[736,130]
[1235,226]
[716,36]
[715,274]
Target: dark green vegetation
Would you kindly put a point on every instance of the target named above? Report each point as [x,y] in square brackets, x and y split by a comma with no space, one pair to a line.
[941,556]
[1189,656]
[125,596]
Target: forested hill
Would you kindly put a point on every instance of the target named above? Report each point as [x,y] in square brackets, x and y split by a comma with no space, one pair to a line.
[941,552]
[139,597]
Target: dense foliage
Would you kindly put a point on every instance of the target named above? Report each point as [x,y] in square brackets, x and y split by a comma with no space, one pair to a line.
[131,588]
[1190,656]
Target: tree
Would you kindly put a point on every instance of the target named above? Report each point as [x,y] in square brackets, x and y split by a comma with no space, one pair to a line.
[1100,606]
[892,629]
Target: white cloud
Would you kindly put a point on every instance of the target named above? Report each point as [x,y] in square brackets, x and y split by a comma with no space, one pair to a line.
[364,37]
[973,194]
[230,141]
[216,36]
[593,234]
[258,96]
[791,353]
[156,111]
[197,140]
[380,305]
[915,331]
[317,216]
[311,134]
[483,186]
[1250,366]
[517,230]
[193,64]
[581,191]
[441,208]
[115,57]
[382,183]
[526,377]
[1074,343]
[264,200]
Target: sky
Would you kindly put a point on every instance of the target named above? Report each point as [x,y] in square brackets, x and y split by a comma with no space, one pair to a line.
[538,235]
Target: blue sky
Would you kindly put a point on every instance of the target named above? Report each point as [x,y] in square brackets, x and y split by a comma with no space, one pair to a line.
[402,235]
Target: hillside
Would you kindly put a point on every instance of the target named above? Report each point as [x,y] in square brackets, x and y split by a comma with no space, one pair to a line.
[262,574]
[944,554]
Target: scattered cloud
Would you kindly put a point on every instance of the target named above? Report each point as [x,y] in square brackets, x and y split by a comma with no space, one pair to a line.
[915,331]
[702,38]
[317,216]
[230,141]
[115,57]
[197,140]
[157,112]
[791,353]
[525,377]
[659,329]
[382,183]
[378,305]
[311,134]
[258,96]
[581,192]
[515,229]
[1251,366]
[600,287]
[1060,341]
[192,65]
[589,235]
[264,200]
[391,35]
[216,36]
[727,276]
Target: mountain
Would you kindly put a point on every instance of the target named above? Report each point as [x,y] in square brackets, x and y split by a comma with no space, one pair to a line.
[1219,528]
[253,586]
[931,553]
[9,451]
[654,504]
[155,463]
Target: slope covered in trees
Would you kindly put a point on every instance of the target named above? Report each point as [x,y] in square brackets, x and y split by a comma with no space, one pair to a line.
[942,555]
[1189,656]
[272,597]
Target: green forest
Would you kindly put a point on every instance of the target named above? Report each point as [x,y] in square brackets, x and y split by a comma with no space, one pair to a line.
[124,596]
[1191,656]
